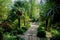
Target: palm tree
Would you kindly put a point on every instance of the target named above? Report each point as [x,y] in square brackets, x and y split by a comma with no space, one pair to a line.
[52,13]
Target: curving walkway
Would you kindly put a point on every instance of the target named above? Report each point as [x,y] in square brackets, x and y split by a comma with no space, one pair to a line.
[32,31]
[30,34]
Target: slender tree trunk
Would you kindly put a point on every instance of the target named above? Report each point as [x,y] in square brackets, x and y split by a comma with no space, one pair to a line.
[19,22]
[46,24]
[1,36]
[24,21]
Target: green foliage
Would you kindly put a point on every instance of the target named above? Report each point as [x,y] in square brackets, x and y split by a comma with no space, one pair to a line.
[41,31]
[24,29]
[49,14]
[27,25]
[41,34]
[8,37]
[56,37]
[4,9]
[11,37]
[1,29]
[11,17]
[33,9]
[21,31]
[41,27]
[54,32]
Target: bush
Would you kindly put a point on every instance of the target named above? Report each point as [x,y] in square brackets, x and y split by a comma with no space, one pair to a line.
[56,37]
[27,25]
[1,36]
[54,32]
[7,37]
[1,29]
[11,37]
[21,31]
[24,28]
[41,31]
[41,34]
